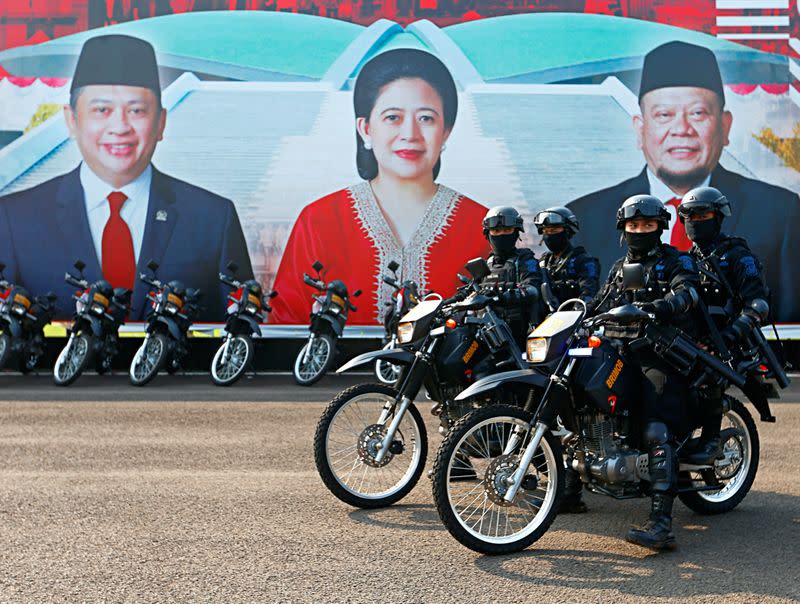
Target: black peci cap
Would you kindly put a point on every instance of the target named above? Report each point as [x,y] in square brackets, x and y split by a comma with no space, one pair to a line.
[680,64]
[117,60]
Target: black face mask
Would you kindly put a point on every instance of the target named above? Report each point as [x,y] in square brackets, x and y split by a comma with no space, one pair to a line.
[702,232]
[503,245]
[557,242]
[641,243]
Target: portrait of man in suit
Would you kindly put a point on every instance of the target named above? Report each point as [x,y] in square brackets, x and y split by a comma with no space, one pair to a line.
[682,130]
[116,211]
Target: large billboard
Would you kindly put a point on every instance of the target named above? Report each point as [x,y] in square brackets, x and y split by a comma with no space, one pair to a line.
[261,154]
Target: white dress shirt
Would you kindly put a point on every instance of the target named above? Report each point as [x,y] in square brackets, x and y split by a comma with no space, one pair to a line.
[134,210]
[664,193]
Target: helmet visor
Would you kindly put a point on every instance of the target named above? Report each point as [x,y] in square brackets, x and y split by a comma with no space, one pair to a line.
[499,221]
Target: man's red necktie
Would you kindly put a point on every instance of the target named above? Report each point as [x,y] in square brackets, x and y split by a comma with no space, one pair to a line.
[119,262]
[678,236]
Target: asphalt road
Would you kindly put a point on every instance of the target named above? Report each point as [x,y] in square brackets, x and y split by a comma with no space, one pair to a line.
[180,491]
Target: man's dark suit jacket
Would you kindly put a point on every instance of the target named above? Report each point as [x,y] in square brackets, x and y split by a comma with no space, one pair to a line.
[192,233]
[768,217]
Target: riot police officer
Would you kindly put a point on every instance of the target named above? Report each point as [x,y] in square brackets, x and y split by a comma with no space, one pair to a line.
[572,273]
[670,292]
[733,288]
[514,269]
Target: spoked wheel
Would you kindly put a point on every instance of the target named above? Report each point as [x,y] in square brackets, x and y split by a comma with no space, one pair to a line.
[5,349]
[387,373]
[348,439]
[735,472]
[470,479]
[149,359]
[74,358]
[308,371]
[229,365]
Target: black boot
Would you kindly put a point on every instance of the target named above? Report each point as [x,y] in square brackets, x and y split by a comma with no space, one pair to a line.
[656,533]
[572,502]
[708,449]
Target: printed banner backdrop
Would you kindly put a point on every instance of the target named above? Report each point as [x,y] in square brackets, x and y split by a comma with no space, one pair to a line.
[260,112]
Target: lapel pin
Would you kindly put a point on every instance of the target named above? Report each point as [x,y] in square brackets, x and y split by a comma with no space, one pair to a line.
[161,215]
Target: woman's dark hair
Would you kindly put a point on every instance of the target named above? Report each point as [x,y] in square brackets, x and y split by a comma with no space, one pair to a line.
[385,68]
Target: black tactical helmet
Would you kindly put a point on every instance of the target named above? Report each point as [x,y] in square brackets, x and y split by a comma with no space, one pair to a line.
[177,287]
[704,199]
[253,287]
[502,216]
[557,216]
[104,287]
[338,287]
[642,206]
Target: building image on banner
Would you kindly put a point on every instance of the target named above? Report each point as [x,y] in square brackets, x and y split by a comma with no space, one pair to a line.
[255,117]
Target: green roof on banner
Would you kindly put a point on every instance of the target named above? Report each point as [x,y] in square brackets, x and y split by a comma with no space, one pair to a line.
[550,47]
[239,44]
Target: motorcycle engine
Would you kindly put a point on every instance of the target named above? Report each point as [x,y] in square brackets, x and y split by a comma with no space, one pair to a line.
[604,456]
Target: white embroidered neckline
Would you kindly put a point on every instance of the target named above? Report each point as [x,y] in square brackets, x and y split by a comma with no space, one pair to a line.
[412,257]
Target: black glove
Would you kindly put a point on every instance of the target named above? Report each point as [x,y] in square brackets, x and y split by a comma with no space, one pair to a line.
[660,308]
[739,329]
[509,297]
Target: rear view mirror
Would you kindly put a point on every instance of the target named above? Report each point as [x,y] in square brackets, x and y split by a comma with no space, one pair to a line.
[80,265]
[317,266]
[393,266]
[478,268]
[273,293]
[152,265]
[232,266]
[357,293]
[633,277]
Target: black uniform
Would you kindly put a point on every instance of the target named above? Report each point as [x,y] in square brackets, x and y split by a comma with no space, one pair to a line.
[670,278]
[730,260]
[573,274]
[731,279]
[519,274]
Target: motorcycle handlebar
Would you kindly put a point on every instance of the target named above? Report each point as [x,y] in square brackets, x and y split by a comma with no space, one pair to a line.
[313,282]
[228,281]
[72,280]
[390,281]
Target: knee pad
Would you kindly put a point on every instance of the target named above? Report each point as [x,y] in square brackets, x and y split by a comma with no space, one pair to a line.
[655,433]
[663,466]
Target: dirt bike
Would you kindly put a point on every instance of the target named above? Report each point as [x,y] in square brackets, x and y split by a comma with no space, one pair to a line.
[591,401]
[22,322]
[406,296]
[93,337]
[328,318]
[247,308]
[371,443]
[174,307]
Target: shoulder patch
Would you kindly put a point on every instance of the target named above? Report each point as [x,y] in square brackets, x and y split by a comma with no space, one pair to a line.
[750,267]
[687,262]
[592,268]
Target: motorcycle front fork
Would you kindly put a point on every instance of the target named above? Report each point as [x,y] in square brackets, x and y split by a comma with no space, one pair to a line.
[307,353]
[409,389]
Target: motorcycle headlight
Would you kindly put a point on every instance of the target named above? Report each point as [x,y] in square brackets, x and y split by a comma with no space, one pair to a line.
[405,331]
[98,309]
[251,309]
[537,350]
[18,309]
[171,308]
[335,309]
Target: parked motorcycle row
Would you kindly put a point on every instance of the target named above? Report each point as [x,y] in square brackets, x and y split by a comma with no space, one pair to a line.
[512,425]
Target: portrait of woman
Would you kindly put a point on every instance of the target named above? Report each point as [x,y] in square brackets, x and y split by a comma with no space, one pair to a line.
[405,105]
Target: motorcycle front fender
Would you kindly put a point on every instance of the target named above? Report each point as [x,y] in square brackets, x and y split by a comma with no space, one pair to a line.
[322,320]
[163,322]
[241,324]
[525,377]
[14,327]
[398,356]
[88,323]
